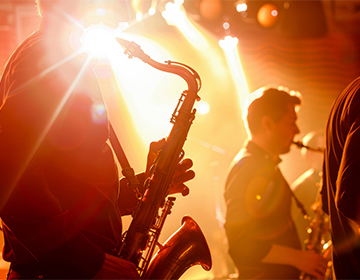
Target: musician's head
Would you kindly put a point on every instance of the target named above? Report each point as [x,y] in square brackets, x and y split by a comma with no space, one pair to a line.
[83,12]
[271,118]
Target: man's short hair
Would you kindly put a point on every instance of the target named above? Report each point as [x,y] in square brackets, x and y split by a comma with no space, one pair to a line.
[268,101]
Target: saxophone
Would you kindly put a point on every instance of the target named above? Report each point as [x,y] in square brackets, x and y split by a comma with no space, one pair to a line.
[318,231]
[319,239]
[187,246]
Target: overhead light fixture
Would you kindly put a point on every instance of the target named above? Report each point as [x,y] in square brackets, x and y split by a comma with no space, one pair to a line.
[268,15]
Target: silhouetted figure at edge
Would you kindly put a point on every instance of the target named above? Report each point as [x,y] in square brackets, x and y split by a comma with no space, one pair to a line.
[263,241]
[60,200]
[341,181]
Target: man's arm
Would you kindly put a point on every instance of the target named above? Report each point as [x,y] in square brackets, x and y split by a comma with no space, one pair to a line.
[306,261]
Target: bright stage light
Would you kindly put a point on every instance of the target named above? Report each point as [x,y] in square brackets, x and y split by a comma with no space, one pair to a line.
[267,15]
[100,12]
[202,107]
[152,11]
[139,16]
[99,41]
[229,45]
[242,7]
[226,25]
[150,94]
[174,14]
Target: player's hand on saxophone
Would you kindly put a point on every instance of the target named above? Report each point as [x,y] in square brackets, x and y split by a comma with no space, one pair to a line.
[117,268]
[312,263]
[182,173]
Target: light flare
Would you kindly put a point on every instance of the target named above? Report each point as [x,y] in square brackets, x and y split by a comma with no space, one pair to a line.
[152,9]
[241,7]
[150,94]
[139,16]
[174,14]
[202,107]
[99,41]
[100,12]
[229,46]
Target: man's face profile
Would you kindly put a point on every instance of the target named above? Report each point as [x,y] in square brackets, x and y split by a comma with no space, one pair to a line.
[284,130]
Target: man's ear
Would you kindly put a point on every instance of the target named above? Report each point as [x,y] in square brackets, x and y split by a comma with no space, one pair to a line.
[267,123]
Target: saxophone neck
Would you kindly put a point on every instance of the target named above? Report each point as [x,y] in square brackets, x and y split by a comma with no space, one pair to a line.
[300,145]
[191,77]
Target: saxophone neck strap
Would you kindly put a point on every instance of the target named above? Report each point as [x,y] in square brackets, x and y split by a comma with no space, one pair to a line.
[299,204]
[126,169]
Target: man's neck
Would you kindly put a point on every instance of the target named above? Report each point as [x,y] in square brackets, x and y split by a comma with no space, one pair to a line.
[264,145]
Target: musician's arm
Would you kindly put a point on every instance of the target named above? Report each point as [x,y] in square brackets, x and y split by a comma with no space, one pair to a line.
[348,191]
[307,261]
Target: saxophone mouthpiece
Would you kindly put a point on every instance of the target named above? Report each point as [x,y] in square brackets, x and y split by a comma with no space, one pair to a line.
[124,43]
[132,49]
[300,145]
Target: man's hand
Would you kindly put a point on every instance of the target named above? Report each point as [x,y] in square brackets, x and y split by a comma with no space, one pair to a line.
[154,148]
[312,263]
[116,268]
[182,173]
[306,261]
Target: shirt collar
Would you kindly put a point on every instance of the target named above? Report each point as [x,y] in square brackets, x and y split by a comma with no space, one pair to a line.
[253,148]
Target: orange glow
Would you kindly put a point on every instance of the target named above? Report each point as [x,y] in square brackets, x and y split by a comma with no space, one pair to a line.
[210,9]
[267,15]
[136,5]
[153,6]
[141,100]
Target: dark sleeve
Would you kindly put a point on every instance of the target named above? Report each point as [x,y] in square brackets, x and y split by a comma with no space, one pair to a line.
[348,182]
[76,257]
[25,121]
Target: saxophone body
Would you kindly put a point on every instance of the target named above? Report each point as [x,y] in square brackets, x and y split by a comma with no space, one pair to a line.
[187,246]
[319,239]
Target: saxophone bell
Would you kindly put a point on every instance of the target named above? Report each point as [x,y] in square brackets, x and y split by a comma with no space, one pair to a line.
[185,248]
